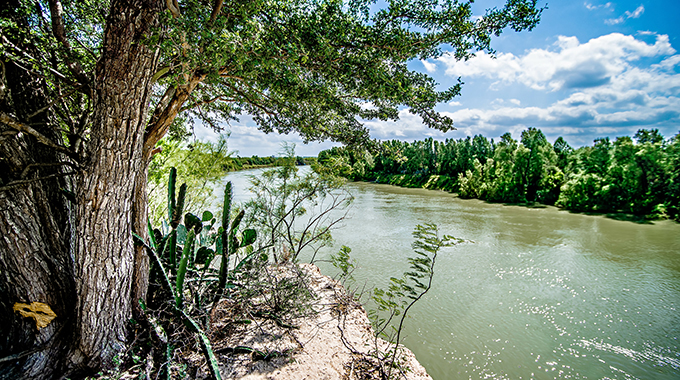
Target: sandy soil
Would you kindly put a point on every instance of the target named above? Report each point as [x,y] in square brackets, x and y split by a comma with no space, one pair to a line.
[333,343]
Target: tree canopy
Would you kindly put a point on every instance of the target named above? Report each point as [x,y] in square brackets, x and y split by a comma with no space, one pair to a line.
[315,67]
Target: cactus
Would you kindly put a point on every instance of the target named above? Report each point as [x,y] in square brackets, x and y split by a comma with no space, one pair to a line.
[226,211]
[181,272]
[223,239]
[175,207]
[172,179]
[172,247]
[227,243]
[177,211]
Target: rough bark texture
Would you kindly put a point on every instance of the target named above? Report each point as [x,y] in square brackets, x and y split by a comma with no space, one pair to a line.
[140,279]
[78,258]
[103,247]
[35,264]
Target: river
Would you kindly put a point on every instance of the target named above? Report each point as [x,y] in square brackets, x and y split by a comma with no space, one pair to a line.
[538,293]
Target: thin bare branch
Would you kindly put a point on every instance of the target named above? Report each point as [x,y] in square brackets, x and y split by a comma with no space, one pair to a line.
[25,128]
[7,42]
[82,45]
[3,87]
[24,173]
[204,102]
[56,13]
[55,101]
[251,100]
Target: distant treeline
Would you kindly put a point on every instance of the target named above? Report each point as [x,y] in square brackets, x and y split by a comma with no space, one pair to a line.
[639,175]
[242,163]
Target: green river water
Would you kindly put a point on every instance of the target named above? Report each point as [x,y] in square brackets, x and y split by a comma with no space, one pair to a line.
[539,293]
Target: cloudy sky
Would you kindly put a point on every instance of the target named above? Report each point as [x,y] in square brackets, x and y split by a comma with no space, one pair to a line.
[590,69]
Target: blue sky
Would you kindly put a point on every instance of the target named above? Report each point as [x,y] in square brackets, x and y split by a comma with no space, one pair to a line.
[590,69]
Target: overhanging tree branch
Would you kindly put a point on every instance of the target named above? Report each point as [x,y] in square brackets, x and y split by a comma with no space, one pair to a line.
[169,107]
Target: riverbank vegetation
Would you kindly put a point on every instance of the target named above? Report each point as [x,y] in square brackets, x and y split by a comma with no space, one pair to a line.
[226,268]
[638,175]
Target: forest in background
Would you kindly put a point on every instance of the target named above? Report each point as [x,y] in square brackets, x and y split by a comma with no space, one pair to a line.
[638,175]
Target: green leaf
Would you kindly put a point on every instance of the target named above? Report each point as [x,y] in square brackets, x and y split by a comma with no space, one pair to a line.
[192,221]
[152,237]
[213,363]
[204,254]
[249,237]
[207,215]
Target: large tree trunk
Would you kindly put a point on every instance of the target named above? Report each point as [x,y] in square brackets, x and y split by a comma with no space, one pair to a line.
[35,261]
[77,258]
[103,248]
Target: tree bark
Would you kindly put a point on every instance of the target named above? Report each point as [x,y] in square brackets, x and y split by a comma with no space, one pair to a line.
[104,253]
[77,258]
[35,261]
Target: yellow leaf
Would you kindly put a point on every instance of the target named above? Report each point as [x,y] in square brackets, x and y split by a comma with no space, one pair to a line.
[39,311]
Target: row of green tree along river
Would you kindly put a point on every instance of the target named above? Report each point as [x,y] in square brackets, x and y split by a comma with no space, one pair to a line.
[638,175]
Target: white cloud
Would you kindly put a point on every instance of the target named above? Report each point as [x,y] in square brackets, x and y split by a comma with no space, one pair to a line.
[614,21]
[600,87]
[592,7]
[634,14]
[668,63]
[409,127]
[572,65]
[580,117]
[583,116]
[501,102]
[430,67]
[455,104]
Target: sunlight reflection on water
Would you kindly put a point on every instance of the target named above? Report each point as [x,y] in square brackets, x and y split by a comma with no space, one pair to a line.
[540,294]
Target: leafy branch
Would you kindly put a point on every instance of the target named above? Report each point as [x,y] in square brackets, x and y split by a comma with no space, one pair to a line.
[403,293]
